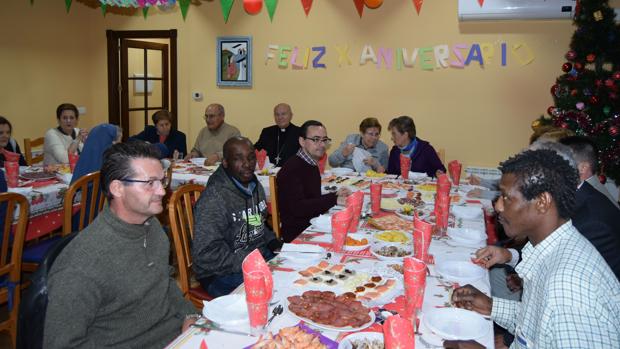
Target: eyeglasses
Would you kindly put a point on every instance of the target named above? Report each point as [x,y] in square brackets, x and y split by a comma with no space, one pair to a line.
[151,184]
[210,116]
[317,140]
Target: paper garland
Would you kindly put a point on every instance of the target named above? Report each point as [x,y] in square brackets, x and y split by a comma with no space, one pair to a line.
[271,8]
[307,5]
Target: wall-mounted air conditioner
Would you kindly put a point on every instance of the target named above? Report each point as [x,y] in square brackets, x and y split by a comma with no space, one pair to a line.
[470,10]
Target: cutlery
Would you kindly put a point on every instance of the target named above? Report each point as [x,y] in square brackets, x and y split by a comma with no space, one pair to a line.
[276,311]
[212,326]
[311,252]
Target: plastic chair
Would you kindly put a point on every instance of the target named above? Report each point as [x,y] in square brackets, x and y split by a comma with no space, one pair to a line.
[181,214]
[275,210]
[28,145]
[11,258]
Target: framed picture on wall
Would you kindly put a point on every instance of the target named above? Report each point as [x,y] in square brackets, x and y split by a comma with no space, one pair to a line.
[234,61]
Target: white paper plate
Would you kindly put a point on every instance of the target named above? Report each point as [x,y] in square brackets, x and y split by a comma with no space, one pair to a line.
[466,237]
[291,253]
[456,324]
[417,175]
[459,271]
[230,310]
[323,223]
[341,171]
[466,212]
[360,336]
[198,161]
[359,155]
[337,329]
[357,237]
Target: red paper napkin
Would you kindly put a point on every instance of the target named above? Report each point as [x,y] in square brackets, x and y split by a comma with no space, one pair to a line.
[454,168]
[256,291]
[405,166]
[375,197]
[340,226]
[355,202]
[398,333]
[12,173]
[10,156]
[261,157]
[73,159]
[422,232]
[414,274]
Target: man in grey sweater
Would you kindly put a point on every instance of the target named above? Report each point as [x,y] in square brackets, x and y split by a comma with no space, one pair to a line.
[111,286]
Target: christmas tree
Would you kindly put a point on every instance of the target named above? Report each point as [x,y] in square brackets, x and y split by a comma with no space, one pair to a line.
[587,95]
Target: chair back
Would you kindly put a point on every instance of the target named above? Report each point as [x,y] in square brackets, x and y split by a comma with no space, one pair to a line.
[441,154]
[11,257]
[181,214]
[275,209]
[28,145]
[91,202]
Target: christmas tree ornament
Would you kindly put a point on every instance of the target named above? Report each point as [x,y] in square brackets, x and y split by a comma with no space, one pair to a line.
[580,105]
[578,66]
[551,110]
[571,55]
[587,92]
[574,92]
[613,95]
[554,89]
[536,124]
[606,110]
[566,67]
[609,82]
[598,82]
[591,58]
[602,178]
[252,7]
[614,130]
[573,72]
[593,100]
[616,75]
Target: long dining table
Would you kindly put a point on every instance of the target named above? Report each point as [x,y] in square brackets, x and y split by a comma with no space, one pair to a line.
[286,269]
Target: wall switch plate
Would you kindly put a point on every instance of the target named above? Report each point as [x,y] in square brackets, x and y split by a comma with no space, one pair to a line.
[81,110]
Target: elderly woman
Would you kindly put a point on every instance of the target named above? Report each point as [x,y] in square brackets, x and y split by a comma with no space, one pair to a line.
[368,141]
[7,142]
[163,133]
[423,156]
[64,139]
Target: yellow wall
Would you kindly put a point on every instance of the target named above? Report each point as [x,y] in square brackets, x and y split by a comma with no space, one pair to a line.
[479,115]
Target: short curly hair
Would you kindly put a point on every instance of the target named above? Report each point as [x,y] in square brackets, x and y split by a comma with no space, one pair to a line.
[543,170]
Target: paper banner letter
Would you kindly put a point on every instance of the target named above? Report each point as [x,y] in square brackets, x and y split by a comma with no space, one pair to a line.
[294,63]
[271,8]
[503,54]
[270,49]
[386,55]
[307,4]
[418,5]
[316,61]
[226,6]
[359,5]
[343,55]
[368,53]
[474,55]
[456,49]
[442,53]
[523,59]
[409,62]
[283,56]
[399,58]
[425,60]
[488,52]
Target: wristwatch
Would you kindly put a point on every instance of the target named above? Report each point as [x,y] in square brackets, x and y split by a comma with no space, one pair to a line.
[193,316]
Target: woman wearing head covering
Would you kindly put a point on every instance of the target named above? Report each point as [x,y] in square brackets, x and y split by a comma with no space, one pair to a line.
[99,139]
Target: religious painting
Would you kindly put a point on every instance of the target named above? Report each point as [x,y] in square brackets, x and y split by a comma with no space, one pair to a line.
[234,61]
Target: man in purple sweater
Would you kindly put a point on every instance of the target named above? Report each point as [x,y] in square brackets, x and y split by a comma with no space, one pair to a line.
[299,183]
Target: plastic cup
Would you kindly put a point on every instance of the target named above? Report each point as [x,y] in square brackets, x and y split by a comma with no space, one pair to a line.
[355,202]
[73,159]
[414,274]
[257,313]
[375,197]
[405,166]
[340,226]
[12,173]
[255,287]
[398,333]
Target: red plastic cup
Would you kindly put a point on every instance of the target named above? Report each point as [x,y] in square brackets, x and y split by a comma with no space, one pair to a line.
[405,166]
[73,159]
[12,173]
[255,287]
[414,274]
[454,168]
[340,226]
[355,202]
[398,333]
[10,156]
[257,313]
[375,197]
[421,238]
[255,262]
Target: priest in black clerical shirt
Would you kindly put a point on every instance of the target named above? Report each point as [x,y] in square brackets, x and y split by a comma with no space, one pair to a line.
[281,141]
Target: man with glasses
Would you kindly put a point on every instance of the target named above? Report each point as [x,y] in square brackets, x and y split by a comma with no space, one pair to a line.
[281,141]
[111,286]
[211,139]
[230,221]
[373,151]
[299,183]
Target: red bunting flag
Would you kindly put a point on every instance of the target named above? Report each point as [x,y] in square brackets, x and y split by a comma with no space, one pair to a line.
[307,4]
[418,5]
[481,2]
[359,5]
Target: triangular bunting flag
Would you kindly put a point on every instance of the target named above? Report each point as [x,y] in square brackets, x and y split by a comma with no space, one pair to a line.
[307,4]
[104,9]
[271,7]
[418,5]
[359,5]
[145,11]
[68,5]
[184,5]
[481,2]
[226,6]
[31,2]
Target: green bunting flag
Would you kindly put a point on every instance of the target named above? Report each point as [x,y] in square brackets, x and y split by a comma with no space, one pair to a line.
[145,11]
[226,6]
[271,7]
[104,9]
[68,5]
[184,5]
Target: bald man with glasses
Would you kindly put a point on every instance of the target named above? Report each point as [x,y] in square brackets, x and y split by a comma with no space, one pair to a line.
[210,141]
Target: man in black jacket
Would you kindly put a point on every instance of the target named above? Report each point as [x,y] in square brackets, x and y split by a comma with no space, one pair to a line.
[280,140]
[229,221]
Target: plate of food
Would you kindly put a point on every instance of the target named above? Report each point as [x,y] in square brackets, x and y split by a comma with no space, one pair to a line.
[363,340]
[341,171]
[356,242]
[393,236]
[325,310]
[37,175]
[390,252]
[301,335]
[391,222]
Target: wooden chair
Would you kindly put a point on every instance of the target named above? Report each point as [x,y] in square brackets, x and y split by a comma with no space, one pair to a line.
[275,209]
[91,202]
[181,214]
[28,145]
[441,153]
[11,257]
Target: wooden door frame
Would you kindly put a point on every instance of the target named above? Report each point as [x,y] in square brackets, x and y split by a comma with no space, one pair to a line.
[113,38]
